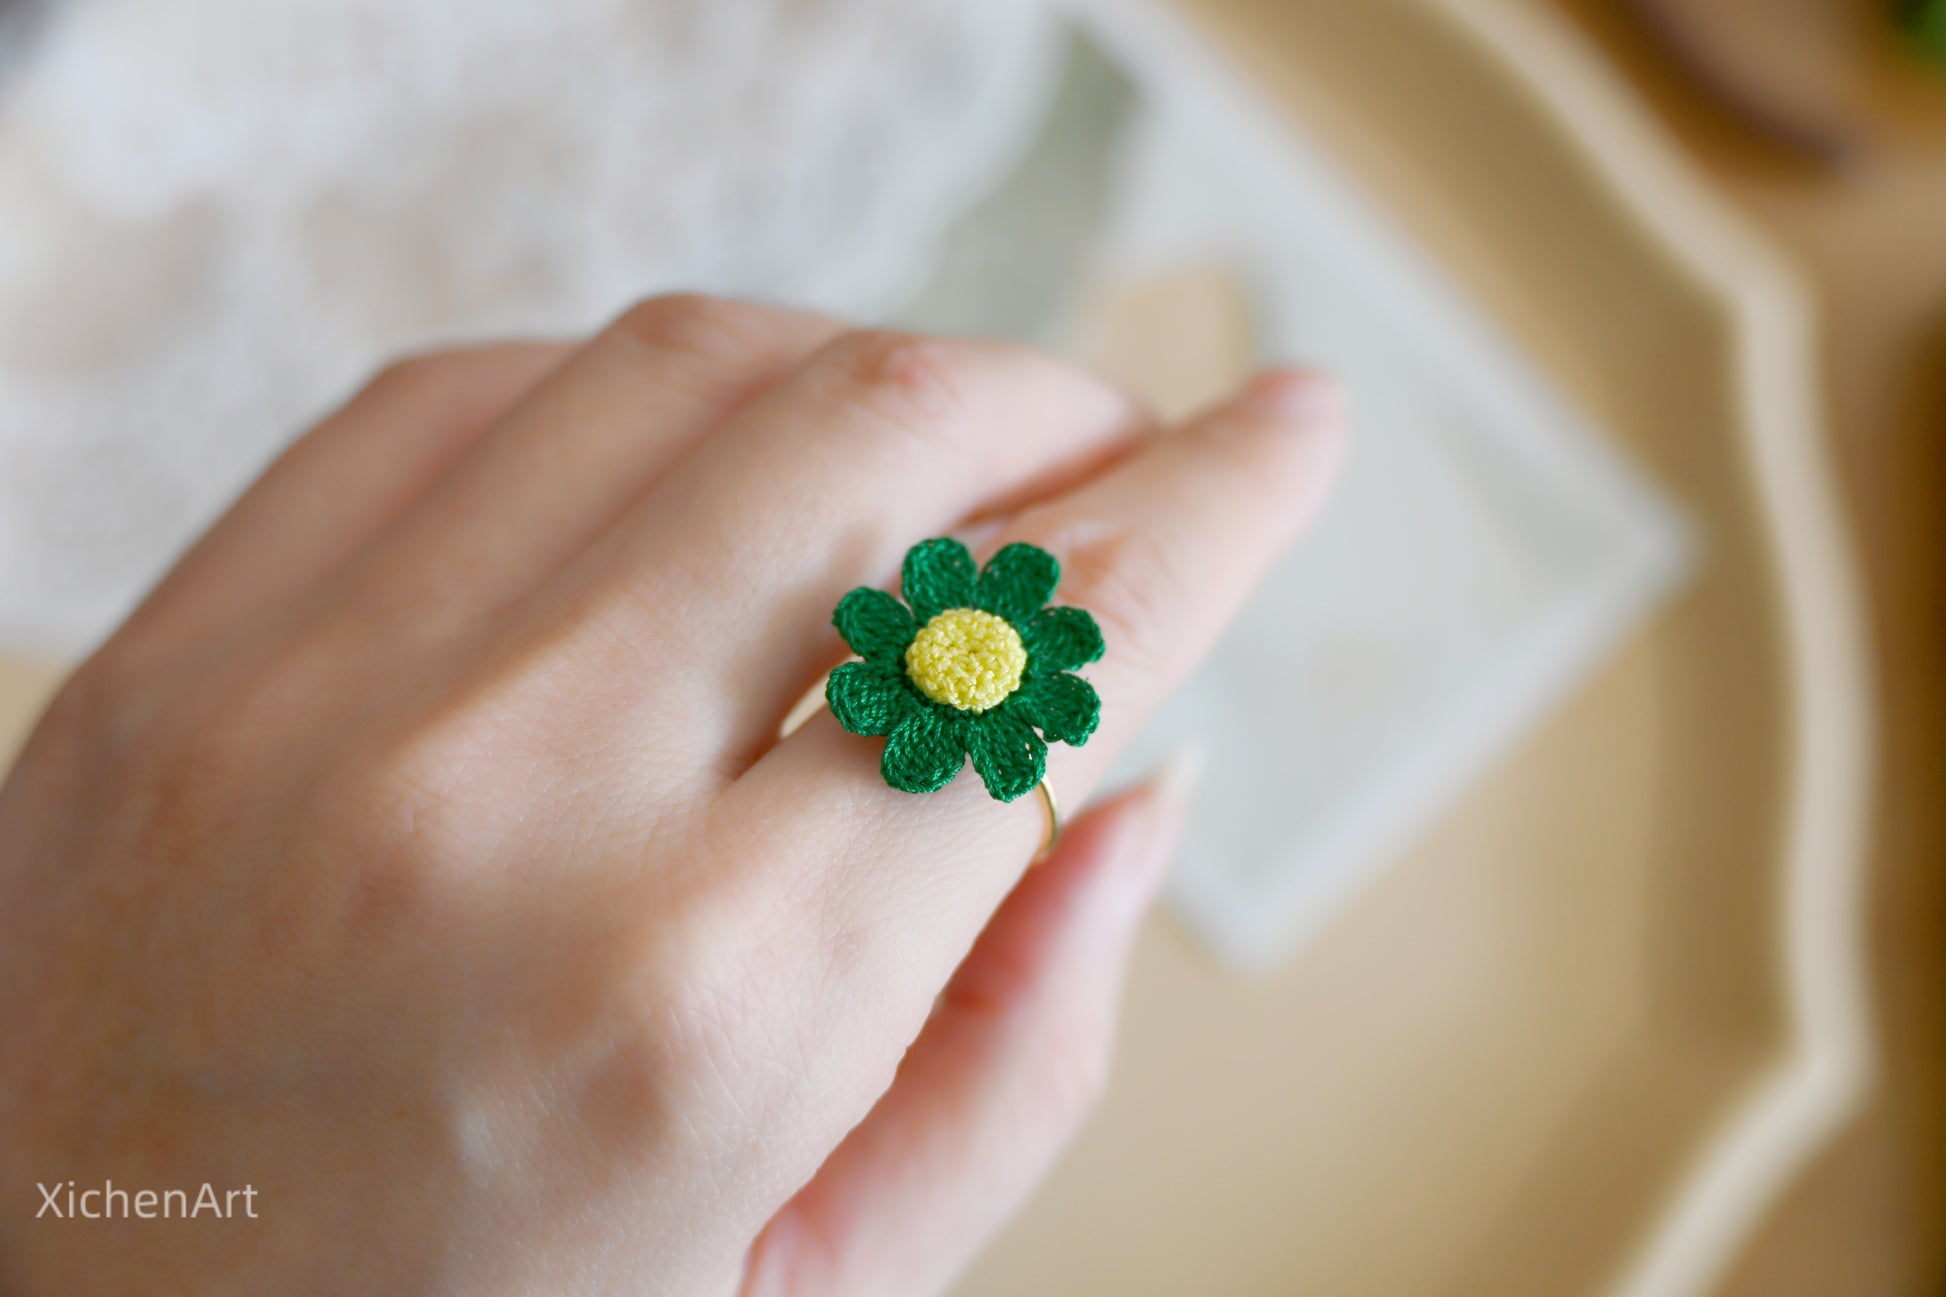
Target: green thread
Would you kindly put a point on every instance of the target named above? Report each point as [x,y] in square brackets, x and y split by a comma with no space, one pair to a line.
[1017,581]
[938,576]
[876,625]
[1063,639]
[928,742]
[868,698]
[1063,707]
[924,753]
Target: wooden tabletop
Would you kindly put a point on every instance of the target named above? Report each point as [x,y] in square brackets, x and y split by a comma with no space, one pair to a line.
[1871,235]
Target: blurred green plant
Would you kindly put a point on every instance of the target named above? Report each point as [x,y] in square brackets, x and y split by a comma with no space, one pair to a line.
[1926,20]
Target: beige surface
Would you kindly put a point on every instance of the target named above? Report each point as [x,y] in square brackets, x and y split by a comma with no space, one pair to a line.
[1870,1218]
[24,689]
[1489,1077]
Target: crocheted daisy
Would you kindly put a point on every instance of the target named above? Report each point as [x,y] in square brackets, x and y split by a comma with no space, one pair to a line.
[972,664]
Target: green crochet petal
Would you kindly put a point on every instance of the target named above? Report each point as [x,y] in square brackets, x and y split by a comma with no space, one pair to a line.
[924,752]
[938,575]
[1017,581]
[1062,639]
[876,625]
[868,698]
[1008,754]
[1065,708]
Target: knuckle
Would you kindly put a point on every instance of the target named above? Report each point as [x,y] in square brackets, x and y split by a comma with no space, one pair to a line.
[1084,395]
[681,1026]
[904,381]
[360,804]
[407,798]
[705,973]
[693,326]
[628,1091]
[709,1005]
[945,394]
[409,375]
[732,981]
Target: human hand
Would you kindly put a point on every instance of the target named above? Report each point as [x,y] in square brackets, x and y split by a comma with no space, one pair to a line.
[421,856]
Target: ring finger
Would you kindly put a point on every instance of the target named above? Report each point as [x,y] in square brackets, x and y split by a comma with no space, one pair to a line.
[1162,548]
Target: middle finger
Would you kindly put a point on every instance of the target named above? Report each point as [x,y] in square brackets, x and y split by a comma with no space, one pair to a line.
[828,474]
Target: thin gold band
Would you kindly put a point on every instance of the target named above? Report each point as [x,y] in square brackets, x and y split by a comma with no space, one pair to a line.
[1053,804]
[813,700]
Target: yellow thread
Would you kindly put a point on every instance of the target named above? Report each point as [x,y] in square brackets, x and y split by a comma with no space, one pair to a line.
[967,659]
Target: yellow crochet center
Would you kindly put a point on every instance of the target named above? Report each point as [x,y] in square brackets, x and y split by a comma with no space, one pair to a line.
[967,659]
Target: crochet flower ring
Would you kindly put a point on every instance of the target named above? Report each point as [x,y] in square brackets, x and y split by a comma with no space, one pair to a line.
[972,664]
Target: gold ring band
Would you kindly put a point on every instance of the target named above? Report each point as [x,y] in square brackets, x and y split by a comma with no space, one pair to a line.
[813,701]
[1053,804]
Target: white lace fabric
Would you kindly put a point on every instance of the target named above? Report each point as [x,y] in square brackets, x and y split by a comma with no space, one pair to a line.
[217,215]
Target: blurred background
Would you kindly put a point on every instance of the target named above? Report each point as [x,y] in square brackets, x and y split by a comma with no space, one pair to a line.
[1568,917]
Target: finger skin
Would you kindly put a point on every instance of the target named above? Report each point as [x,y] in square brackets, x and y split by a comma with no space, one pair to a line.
[583,448]
[340,485]
[1000,1079]
[1166,550]
[821,482]
[1163,548]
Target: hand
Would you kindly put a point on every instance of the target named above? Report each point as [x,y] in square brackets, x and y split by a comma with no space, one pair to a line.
[420,855]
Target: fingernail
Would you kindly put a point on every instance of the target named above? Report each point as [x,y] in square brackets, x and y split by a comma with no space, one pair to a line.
[1292,396]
